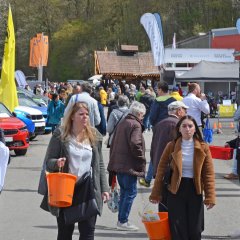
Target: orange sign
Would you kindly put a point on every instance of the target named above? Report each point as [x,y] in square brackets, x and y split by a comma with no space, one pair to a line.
[38,51]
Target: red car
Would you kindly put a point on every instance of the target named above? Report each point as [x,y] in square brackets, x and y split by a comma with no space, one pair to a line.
[15,131]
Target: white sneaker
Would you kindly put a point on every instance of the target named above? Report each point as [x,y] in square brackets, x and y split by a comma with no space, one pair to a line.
[127,226]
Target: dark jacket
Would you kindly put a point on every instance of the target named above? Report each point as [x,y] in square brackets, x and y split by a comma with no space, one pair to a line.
[57,149]
[163,132]
[147,100]
[203,171]
[113,105]
[235,143]
[159,109]
[127,151]
[102,126]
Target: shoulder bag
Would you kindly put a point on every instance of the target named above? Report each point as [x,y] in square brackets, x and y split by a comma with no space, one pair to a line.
[84,204]
[113,202]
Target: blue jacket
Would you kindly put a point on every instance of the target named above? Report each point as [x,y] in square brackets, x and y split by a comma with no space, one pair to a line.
[159,109]
[102,126]
[55,112]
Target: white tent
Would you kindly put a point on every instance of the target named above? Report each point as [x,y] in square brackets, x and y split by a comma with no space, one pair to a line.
[212,71]
[98,77]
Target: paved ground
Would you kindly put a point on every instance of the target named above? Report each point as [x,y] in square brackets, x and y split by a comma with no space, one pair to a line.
[22,219]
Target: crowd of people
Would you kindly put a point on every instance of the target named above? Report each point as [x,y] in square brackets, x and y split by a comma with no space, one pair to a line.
[76,114]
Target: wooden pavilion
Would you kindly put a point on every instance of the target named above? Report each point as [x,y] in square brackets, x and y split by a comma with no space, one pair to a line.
[126,64]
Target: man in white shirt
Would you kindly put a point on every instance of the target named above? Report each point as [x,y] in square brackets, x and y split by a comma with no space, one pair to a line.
[85,97]
[197,103]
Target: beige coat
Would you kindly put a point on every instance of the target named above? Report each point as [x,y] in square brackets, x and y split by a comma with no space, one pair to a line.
[203,171]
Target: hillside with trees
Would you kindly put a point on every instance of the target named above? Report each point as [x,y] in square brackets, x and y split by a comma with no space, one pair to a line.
[78,27]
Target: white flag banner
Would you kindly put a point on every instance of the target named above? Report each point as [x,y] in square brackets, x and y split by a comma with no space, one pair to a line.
[174,41]
[151,27]
[238,25]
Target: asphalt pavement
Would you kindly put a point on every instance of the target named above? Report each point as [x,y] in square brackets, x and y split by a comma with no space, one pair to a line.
[22,219]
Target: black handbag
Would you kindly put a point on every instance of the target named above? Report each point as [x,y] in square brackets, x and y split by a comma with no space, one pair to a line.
[167,175]
[84,204]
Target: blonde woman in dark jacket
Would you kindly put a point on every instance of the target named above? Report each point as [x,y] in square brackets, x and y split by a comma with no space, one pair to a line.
[75,147]
[192,174]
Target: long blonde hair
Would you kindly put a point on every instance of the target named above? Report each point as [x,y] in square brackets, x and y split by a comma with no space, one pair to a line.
[66,127]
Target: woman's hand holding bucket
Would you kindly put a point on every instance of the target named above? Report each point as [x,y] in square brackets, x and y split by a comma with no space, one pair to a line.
[61,162]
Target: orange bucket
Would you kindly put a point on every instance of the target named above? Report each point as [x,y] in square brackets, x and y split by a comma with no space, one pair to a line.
[60,189]
[158,230]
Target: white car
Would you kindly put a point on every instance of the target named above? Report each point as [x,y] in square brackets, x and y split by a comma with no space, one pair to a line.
[36,116]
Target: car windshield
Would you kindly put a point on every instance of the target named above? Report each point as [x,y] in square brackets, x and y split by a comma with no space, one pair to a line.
[23,101]
[4,112]
[24,92]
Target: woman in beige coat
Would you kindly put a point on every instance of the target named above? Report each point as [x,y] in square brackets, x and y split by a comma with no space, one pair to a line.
[192,174]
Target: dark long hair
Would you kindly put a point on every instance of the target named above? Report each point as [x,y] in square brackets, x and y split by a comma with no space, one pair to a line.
[197,135]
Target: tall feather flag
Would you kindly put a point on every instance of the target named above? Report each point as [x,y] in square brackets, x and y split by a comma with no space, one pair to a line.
[150,25]
[8,91]
[174,41]
[238,25]
[159,22]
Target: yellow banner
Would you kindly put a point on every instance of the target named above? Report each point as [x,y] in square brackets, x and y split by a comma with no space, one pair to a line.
[8,91]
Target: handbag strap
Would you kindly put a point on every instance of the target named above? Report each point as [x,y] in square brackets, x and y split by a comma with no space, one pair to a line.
[76,99]
[117,123]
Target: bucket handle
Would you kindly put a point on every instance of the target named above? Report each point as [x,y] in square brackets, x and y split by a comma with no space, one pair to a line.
[148,203]
[60,169]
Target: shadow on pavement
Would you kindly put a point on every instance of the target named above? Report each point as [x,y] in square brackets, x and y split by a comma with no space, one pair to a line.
[114,233]
[215,237]
[227,189]
[19,190]
[47,227]
[119,235]
[26,168]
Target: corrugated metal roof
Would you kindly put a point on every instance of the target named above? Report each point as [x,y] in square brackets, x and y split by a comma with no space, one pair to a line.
[193,42]
[212,70]
[224,31]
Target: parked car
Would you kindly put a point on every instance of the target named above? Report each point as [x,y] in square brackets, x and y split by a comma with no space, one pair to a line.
[36,116]
[42,100]
[28,102]
[15,131]
[29,123]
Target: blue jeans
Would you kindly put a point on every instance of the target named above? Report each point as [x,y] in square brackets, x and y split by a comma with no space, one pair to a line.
[128,191]
[146,121]
[149,175]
